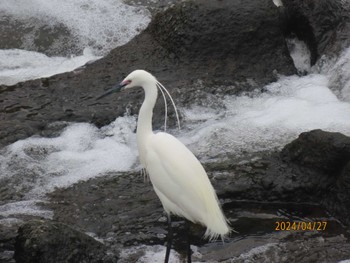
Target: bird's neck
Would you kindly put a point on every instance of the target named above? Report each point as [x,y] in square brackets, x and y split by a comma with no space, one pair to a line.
[144,124]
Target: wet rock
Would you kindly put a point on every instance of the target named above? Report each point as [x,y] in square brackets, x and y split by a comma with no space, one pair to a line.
[184,44]
[7,242]
[338,199]
[328,154]
[321,249]
[118,201]
[323,25]
[305,250]
[47,241]
[225,38]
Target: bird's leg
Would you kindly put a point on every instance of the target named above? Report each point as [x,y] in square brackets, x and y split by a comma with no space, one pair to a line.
[189,251]
[170,240]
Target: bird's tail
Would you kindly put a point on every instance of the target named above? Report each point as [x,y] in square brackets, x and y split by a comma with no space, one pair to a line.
[216,222]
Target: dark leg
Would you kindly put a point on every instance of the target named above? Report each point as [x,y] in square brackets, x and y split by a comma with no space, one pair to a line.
[189,251]
[170,240]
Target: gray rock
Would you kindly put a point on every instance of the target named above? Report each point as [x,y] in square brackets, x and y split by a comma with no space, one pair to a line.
[48,241]
[225,38]
[338,200]
[327,154]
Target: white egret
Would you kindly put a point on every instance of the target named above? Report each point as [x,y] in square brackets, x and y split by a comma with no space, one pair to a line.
[177,176]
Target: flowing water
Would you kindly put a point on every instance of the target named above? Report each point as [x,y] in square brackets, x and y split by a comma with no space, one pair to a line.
[231,126]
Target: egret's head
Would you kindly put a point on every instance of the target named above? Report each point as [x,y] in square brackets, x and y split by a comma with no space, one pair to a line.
[137,78]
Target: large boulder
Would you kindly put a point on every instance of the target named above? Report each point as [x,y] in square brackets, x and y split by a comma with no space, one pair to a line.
[328,152]
[222,43]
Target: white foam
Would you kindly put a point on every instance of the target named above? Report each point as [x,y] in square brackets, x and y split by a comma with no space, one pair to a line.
[82,151]
[269,120]
[18,65]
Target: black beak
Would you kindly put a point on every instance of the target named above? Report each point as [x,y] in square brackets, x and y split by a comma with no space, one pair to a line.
[116,88]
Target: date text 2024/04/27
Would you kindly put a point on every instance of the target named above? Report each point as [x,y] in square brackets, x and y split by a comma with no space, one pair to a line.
[300,225]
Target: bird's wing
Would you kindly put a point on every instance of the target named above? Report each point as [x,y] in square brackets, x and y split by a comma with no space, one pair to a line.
[178,177]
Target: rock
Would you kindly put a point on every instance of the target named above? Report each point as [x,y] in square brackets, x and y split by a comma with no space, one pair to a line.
[304,250]
[225,38]
[7,242]
[314,168]
[121,206]
[184,44]
[48,241]
[323,25]
[338,199]
[328,154]
[270,179]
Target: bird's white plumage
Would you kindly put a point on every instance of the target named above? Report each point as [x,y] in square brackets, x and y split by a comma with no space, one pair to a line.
[178,178]
[182,184]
